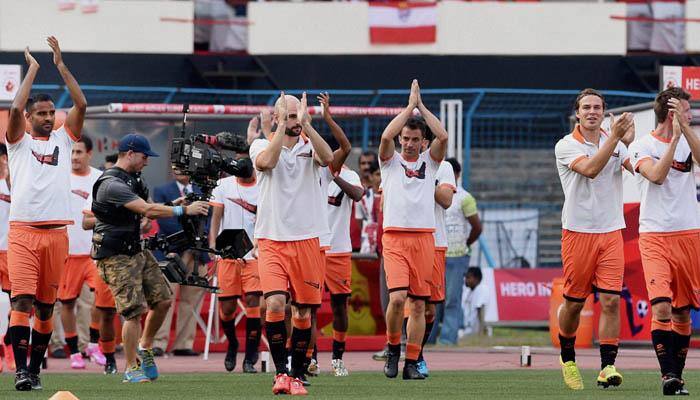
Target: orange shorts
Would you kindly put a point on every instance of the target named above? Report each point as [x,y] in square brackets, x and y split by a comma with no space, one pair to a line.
[592,262]
[671,264]
[236,278]
[35,259]
[78,270]
[4,275]
[103,295]
[292,267]
[408,262]
[338,273]
[437,289]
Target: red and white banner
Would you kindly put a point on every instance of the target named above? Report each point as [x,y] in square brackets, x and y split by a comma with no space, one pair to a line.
[247,110]
[10,78]
[523,294]
[687,78]
[402,23]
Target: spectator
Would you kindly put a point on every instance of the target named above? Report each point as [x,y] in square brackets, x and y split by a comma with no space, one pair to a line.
[232,36]
[110,160]
[190,296]
[475,302]
[463,229]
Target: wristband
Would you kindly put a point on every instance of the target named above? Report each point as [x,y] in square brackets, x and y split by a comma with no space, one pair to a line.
[178,211]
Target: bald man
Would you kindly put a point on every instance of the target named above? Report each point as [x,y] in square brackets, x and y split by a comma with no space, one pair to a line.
[286,233]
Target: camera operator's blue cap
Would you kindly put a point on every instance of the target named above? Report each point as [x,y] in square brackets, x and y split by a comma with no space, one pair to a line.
[137,144]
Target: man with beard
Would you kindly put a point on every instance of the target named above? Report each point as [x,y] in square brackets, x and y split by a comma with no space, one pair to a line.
[289,258]
[40,169]
[590,163]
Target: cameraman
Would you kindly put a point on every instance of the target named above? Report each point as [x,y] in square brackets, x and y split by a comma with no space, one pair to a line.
[133,275]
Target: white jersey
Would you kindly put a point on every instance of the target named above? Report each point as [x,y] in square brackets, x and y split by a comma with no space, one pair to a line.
[409,193]
[445,177]
[326,178]
[4,214]
[339,213]
[671,206]
[240,203]
[590,205]
[290,196]
[40,173]
[80,240]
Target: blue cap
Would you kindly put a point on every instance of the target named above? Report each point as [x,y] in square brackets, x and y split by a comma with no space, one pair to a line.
[137,144]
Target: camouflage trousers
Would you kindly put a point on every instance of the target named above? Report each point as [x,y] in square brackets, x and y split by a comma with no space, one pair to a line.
[134,281]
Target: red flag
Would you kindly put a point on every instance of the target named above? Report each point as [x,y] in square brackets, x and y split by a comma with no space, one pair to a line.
[402,23]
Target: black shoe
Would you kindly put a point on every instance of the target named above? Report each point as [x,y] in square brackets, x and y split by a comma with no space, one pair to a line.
[391,367]
[185,352]
[158,352]
[230,361]
[110,368]
[249,367]
[301,376]
[36,381]
[670,384]
[59,353]
[22,381]
[410,371]
[682,391]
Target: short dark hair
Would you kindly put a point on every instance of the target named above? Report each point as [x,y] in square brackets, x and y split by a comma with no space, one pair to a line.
[87,141]
[3,149]
[112,158]
[37,98]
[455,165]
[661,107]
[588,92]
[475,272]
[368,153]
[417,122]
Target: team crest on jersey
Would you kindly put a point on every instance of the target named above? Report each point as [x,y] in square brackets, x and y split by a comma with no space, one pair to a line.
[81,193]
[306,155]
[251,208]
[336,201]
[415,173]
[48,159]
[5,197]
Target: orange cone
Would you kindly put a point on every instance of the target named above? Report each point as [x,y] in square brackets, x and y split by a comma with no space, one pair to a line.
[63,395]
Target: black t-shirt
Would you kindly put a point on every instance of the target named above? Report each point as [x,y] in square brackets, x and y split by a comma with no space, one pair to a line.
[115,192]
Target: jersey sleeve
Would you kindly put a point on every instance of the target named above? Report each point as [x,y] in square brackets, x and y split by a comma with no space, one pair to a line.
[567,154]
[639,153]
[256,148]
[446,176]
[468,206]
[19,144]
[389,161]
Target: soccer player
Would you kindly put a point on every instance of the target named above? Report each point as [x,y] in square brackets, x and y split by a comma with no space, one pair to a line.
[445,188]
[5,197]
[408,179]
[104,302]
[79,267]
[343,189]
[40,169]
[289,255]
[668,231]
[590,163]
[235,205]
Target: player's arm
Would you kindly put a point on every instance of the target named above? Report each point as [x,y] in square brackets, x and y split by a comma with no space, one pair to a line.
[216,215]
[657,171]
[322,151]
[690,136]
[443,196]
[76,115]
[439,146]
[386,144]
[344,146]
[354,192]
[475,232]
[155,210]
[15,123]
[591,167]
[268,158]
[89,221]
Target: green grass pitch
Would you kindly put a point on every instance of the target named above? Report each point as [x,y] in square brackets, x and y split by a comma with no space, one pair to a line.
[508,384]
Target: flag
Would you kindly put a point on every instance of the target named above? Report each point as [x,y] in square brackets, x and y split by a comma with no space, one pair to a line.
[65,5]
[402,22]
[89,6]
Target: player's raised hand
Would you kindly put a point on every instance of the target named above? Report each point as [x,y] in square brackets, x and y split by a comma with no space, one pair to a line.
[57,56]
[197,208]
[324,99]
[303,110]
[281,108]
[677,131]
[30,58]
[676,108]
[252,129]
[266,122]
[414,98]
[620,126]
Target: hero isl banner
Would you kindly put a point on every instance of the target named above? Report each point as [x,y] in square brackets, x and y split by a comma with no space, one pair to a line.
[687,78]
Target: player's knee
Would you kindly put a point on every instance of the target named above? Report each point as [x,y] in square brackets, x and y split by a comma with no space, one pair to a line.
[416,308]
[302,312]
[227,308]
[43,311]
[252,300]
[23,304]
[276,304]
[572,307]
[397,300]
[662,311]
[610,304]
